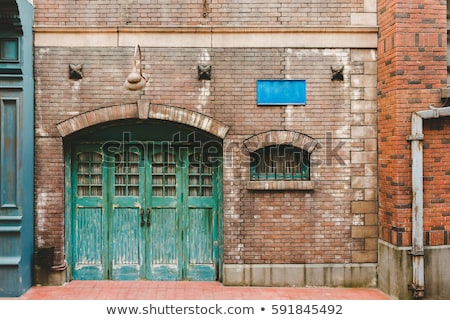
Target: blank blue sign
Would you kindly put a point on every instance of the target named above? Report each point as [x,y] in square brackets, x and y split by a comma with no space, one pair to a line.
[280,92]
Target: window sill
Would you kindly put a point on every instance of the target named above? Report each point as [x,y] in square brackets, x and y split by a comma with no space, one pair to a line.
[280,185]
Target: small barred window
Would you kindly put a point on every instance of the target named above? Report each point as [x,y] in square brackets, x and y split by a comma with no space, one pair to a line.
[280,162]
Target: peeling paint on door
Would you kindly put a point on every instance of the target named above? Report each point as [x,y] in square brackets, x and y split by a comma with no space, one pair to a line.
[148,216]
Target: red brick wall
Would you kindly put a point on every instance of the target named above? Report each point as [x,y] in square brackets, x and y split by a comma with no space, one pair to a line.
[437,182]
[411,71]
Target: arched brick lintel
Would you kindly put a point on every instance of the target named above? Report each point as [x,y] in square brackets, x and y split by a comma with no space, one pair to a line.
[143,110]
[278,137]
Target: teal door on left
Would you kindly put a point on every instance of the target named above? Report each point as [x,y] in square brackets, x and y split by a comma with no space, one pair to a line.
[88,215]
[144,213]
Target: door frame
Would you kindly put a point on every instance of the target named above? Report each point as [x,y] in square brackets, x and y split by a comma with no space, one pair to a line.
[69,145]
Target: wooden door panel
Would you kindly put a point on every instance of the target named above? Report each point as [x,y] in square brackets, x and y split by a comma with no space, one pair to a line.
[199,242]
[88,243]
[200,216]
[125,244]
[10,167]
[126,240]
[164,252]
[163,234]
[88,221]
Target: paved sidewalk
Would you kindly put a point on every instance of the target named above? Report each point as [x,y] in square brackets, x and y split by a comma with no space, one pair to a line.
[184,290]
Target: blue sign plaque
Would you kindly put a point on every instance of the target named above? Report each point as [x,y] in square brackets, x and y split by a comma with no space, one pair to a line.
[280,92]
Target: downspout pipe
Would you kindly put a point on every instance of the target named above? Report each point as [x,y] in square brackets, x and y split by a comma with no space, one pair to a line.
[416,138]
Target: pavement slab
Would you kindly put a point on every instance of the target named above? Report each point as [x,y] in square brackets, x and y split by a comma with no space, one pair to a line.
[186,290]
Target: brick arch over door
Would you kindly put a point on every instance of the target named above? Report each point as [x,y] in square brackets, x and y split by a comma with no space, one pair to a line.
[143,110]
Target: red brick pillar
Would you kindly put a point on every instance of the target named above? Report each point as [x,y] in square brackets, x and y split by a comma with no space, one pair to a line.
[412,70]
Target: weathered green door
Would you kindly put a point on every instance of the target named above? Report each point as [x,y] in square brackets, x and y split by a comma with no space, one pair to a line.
[88,214]
[125,201]
[146,212]
[200,225]
[164,214]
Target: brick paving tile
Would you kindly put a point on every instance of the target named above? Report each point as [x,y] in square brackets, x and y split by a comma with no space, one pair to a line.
[184,290]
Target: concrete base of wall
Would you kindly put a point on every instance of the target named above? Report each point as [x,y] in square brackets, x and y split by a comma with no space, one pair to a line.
[47,277]
[301,275]
[395,271]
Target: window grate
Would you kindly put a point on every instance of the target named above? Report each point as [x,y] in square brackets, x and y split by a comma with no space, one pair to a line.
[89,174]
[280,162]
[126,178]
[164,177]
[200,176]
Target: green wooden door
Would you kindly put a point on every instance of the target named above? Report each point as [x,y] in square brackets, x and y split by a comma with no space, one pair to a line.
[200,218]
[164,237]
[147,213]
[125,203]
[88,215]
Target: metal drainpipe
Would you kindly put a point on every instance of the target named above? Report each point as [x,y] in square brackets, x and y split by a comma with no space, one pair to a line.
[416,138]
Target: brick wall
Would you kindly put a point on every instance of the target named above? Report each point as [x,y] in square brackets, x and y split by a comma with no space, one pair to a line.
[88,13]
[259,227]
[412,70]
[336,222]
[436,182]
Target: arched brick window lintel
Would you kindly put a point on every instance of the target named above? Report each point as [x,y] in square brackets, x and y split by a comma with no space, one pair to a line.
[281,137]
